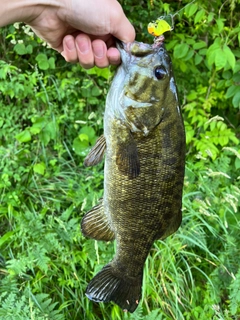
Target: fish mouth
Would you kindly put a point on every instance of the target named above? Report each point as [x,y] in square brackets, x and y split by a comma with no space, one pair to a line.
[133,50]
[124,51]
[120,45]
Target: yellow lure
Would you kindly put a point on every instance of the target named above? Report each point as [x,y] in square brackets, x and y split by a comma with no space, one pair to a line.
[158,27]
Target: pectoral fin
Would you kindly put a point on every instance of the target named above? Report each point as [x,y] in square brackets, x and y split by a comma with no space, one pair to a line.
[96,153]
[95,224]
[128,160]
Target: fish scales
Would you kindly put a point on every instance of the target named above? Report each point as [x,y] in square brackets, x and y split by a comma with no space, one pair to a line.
[144,143]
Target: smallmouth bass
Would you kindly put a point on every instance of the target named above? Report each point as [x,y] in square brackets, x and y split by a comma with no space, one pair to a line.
[144,147]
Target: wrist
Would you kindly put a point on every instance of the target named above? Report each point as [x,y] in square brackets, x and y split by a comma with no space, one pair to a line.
[24,10]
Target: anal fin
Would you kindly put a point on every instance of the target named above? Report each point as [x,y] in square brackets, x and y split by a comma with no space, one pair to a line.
[96,153]
[95,224]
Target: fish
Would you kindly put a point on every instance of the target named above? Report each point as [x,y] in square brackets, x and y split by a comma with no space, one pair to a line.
[144,149]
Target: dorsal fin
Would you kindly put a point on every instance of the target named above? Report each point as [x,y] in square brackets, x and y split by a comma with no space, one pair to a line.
[95,224]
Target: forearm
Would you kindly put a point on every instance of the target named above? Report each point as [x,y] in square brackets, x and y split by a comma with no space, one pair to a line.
[12,11]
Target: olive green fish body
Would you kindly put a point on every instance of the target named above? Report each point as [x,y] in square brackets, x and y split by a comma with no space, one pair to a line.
[144,170]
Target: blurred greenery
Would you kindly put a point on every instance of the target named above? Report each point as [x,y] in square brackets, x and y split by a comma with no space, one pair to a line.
[51,115]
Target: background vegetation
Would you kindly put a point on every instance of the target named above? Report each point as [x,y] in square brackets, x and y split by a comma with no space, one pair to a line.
[51,114]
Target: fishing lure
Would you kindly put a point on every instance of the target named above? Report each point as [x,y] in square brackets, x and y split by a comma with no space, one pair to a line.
[163,24]
[159,27]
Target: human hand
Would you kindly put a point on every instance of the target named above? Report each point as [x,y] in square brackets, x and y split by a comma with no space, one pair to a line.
[82,30]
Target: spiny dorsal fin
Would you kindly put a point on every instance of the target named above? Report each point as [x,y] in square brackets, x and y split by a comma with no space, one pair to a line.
[95,224]
[96,153]
[128,160]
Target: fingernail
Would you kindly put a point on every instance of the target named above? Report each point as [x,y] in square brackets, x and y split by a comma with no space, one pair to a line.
[83,45]
[98,51]
[70,44]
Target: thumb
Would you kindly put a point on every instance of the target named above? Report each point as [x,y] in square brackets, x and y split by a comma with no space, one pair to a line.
[121,28]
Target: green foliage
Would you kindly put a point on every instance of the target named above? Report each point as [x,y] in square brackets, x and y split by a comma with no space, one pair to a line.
[39,307]
[235,294]
[51,115]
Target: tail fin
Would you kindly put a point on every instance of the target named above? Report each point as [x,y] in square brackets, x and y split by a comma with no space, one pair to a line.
[108,286]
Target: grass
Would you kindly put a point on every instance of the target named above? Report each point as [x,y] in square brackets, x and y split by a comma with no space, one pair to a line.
[48,263]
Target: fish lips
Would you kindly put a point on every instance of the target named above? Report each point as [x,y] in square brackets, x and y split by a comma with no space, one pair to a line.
[132,50]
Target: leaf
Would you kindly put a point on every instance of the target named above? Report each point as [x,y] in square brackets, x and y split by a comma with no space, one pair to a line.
[220,59]
[189,55]
[235,294]
[237,163]
[231,91]
[51,62]
[83,137]
[42,61]
[199,16]
[39,168]
[38,125]
[192,96]
[220,24]
[20,48]
[210,17]
[80,147]
[29,49]
[104,72]
[199,45]
[44,137]
[24,136]
[5,237]
[49,132]
[3,70]
[96,91]
[180,50]
[220,135]
[90,132]
[203,52]
[236,77]
[227,75]
[182,66]
[236,100]
[41,56]
[197,59]
[190,132]
[191,9]
[171,44]
[43,65]
[207,147]
[229,55]
[212,50]
[46,306]
[236,52]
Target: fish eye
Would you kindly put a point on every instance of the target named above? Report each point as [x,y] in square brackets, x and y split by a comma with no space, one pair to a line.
[160,72]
